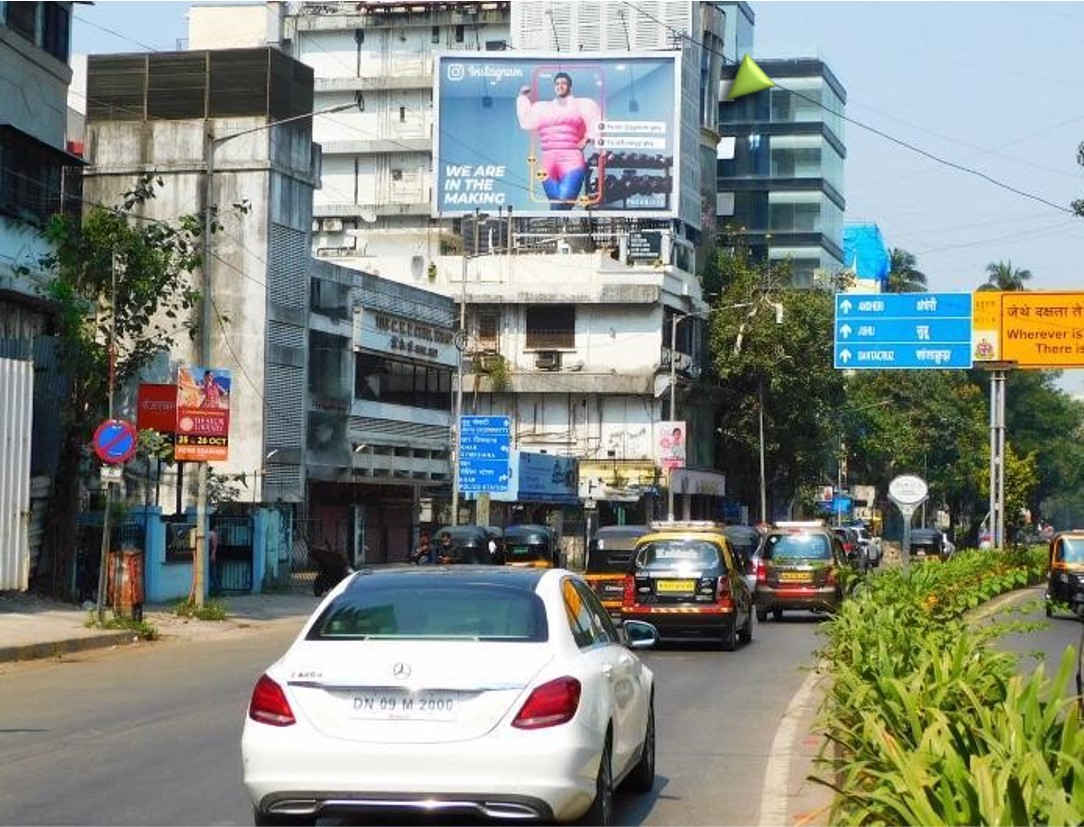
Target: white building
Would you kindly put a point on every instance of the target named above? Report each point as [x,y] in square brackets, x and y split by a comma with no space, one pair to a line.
[578,309]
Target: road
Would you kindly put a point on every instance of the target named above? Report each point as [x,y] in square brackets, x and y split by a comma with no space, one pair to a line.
[151,735]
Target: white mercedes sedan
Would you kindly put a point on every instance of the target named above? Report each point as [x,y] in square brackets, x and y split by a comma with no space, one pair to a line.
[474,692]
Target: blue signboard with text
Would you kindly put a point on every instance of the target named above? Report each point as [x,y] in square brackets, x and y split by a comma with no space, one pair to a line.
[902,331]
[484,451]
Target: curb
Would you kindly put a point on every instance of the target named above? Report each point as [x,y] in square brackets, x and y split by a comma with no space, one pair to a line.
[57,648]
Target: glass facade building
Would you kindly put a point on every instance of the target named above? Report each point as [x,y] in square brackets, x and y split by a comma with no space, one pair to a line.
[780,168]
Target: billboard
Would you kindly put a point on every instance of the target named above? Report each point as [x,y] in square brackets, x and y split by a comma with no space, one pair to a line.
[670,444]
[203,414]
[544,133]
[1037,330]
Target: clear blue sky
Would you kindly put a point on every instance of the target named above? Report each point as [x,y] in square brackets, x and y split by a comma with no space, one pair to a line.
[996,87]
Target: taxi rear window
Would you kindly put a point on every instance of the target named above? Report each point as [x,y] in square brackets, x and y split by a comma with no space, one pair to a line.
[798,547]
[1070,550]
[668,554]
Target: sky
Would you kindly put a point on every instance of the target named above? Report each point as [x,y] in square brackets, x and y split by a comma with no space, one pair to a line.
[993,87]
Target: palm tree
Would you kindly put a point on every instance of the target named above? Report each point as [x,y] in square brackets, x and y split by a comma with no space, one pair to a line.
[902,275]
[1003,276]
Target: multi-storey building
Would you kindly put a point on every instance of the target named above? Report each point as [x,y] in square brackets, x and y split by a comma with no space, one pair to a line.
[780,171]
[38,178]
[571,319]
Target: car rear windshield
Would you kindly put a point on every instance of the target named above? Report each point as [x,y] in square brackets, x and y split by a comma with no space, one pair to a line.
[798,547]
[434,611]
[668,554]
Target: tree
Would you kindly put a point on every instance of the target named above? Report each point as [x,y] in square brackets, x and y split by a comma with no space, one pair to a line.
[783,370]
[1003,276]
[903,276]
[122,289]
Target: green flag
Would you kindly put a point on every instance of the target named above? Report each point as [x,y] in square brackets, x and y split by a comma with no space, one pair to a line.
[750,78]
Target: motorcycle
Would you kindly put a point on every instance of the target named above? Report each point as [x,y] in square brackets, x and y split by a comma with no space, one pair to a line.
[332,569]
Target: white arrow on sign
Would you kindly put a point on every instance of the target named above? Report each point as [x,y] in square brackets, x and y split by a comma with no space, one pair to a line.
[844,356]
[845,331]
[846,305]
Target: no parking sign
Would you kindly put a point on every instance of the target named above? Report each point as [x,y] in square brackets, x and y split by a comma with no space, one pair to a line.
[115,441]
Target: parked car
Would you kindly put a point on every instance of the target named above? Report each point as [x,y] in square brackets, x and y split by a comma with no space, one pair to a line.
[467,692]
[800,569]
[686,581]
[608,557]
[1065,580]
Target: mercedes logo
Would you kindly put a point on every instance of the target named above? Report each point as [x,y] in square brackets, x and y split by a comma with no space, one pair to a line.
[401,670]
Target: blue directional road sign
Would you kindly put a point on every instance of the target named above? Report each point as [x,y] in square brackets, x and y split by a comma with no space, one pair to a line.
[903,331]
[484,449]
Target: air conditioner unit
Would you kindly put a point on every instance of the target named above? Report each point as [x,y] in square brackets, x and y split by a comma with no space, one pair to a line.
[332,225]
[548,360]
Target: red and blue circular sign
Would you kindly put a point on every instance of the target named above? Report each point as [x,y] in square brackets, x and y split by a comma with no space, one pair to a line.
[115,441]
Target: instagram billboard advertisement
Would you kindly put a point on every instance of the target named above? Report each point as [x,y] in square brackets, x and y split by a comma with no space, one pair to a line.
[540,134]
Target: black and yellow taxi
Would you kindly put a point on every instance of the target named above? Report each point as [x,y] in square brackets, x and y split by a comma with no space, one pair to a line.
[1065,577]
[684,579]
[800,567]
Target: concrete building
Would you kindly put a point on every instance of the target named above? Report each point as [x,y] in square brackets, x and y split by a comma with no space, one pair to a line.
[39,177]
[780,170]
[567,319]
[341,380]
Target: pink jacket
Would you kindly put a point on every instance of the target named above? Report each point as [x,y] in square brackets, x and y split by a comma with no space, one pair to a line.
[562,123]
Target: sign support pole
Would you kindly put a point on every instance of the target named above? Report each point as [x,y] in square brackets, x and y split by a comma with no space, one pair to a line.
[103,561]
[997,458]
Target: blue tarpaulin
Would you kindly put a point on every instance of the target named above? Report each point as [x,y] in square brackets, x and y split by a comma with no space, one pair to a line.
[864,251]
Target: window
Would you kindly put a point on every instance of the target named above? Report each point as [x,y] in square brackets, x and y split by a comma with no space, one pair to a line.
[47,25]
[435,37]
[402,114]
[31,173]
[401,382]
[551,326]
[489,325]
[459,33]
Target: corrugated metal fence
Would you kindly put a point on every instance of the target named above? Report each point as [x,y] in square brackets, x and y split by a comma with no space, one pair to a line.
[16,417]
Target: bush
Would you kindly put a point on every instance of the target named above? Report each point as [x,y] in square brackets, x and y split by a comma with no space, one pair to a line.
[928,724]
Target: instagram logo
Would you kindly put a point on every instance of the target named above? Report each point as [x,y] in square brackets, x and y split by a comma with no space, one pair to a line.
[455,71]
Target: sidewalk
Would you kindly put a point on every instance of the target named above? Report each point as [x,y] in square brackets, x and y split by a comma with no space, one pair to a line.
[33,627]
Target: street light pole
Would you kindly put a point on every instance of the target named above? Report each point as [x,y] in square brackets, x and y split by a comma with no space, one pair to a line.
[677,317]
[211,143]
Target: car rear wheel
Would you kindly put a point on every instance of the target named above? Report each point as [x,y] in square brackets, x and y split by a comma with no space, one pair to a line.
[601,811]
[261,819]
[642,777]
[729,641]
[762,615]
[777,613]
[746,634]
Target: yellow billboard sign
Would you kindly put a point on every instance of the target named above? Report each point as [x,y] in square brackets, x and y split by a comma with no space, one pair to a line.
[1042,329]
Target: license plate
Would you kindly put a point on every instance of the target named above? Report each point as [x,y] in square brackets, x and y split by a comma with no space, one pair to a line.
[672,586]
[796,576]
[395,705]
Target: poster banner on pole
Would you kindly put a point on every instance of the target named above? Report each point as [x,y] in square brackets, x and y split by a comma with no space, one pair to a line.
[203,414]
[670,444]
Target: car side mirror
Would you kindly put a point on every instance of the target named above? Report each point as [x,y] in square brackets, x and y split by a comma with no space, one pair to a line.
[639,635]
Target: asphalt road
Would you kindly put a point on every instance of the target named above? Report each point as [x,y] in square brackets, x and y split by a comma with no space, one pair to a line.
[151,735]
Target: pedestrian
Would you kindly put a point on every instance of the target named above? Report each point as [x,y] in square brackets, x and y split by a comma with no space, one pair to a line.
[446,551]
[424,552]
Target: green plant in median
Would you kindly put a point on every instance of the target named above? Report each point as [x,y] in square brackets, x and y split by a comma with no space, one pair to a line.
[211,610]
[928,724]
[144,630]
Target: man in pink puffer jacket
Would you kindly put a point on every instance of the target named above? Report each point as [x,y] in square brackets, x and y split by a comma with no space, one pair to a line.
[564,126]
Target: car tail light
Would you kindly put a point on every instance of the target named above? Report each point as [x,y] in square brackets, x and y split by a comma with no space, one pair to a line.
[831,577]
[269,704]
[628,596]
[550,704]
[722,590]
[762,572]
